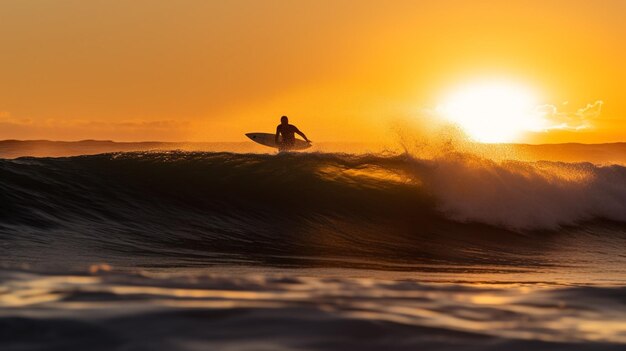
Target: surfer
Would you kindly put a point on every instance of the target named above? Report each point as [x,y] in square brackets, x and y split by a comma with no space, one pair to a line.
[287,131]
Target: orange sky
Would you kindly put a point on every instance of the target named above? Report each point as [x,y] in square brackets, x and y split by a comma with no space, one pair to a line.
[342,70]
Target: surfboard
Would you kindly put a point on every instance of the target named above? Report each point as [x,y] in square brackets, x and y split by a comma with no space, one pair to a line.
[267,139]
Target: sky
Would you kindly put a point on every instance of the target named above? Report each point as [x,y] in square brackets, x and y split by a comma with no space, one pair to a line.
[202,70]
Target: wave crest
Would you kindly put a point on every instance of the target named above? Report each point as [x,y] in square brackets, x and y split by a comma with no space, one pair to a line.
[525,195]
[511,194]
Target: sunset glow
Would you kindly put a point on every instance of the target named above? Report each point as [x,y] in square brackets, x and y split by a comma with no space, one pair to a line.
[201,70]
[492,112]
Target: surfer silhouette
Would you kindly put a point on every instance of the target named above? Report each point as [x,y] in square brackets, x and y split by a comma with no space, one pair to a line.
[287,131]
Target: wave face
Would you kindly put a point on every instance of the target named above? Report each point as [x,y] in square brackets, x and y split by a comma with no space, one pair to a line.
[193,208]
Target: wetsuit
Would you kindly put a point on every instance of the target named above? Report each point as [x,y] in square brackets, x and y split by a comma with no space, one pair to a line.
[287,131]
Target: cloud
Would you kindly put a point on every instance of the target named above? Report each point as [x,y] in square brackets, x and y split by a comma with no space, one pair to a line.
[7,119]
[583,118]
[122,125]
[12,127]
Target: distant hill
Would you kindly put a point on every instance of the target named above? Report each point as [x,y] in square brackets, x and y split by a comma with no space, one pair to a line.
[47,148]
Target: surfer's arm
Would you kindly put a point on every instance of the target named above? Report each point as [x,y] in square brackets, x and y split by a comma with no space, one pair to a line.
[277,133]
[302,135]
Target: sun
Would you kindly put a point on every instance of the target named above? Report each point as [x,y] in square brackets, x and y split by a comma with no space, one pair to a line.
[492,112]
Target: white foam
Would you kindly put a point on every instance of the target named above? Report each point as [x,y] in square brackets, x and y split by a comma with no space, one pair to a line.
[524,195]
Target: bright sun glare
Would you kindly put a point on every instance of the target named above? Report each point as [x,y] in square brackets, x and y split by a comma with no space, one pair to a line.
[492,112]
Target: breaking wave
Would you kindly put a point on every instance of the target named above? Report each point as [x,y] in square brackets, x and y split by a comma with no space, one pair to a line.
[200,205]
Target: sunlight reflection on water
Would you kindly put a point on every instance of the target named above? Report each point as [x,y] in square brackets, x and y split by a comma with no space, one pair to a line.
[519,311]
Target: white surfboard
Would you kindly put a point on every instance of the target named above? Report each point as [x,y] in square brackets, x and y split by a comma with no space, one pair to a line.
[268,139]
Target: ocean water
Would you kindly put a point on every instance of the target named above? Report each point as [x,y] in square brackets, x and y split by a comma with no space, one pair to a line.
[191,250]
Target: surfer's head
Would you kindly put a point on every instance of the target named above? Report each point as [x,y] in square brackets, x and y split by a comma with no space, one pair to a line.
[284,120]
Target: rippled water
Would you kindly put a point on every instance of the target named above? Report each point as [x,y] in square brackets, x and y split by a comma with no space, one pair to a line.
[273,311]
